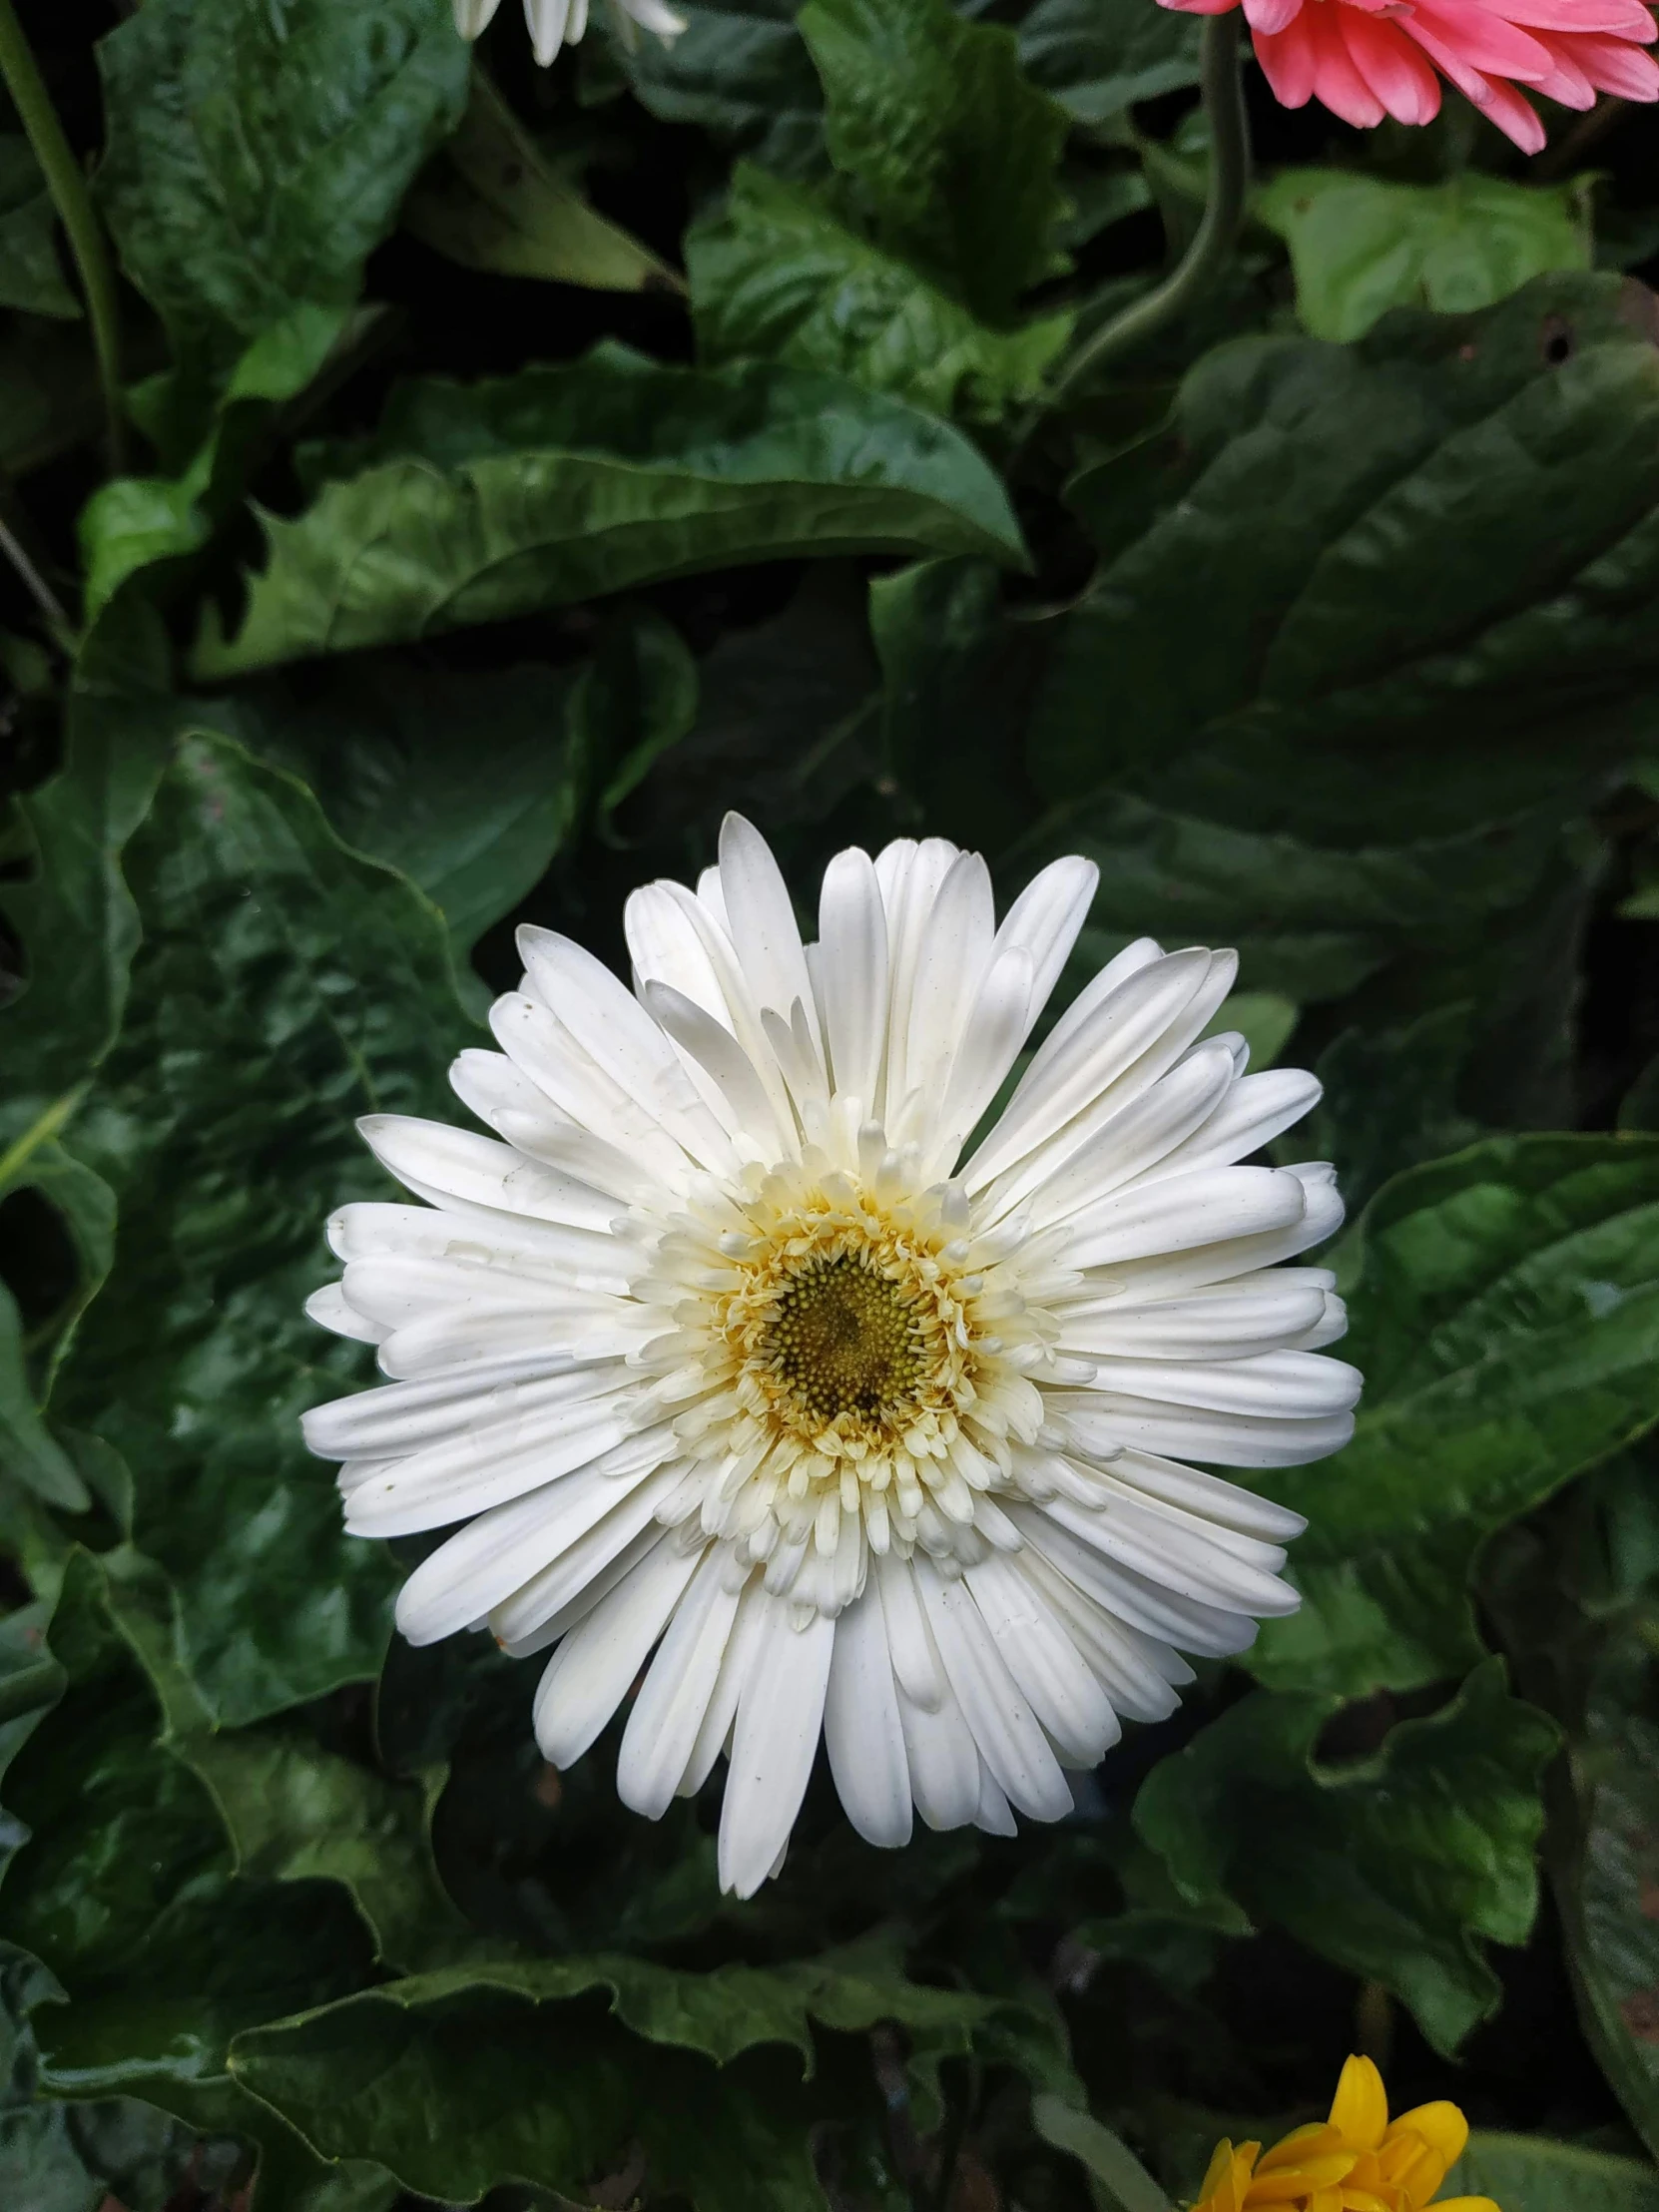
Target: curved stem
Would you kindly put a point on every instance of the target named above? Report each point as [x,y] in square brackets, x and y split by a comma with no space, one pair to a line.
[1223,94]
[23,80]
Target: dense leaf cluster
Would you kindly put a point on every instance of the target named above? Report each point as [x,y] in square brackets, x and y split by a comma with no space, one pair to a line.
[521,472]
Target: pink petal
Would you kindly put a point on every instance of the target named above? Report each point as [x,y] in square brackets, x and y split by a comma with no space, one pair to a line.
[1515,117]
[1289,59]
[1568,82]
[1271,15]
[1391,66]
[1337,82]
[1479,39]
[1198,7]
[1624,18]
[1613,65]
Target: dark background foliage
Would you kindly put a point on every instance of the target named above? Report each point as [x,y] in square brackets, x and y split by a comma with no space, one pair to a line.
[520,470]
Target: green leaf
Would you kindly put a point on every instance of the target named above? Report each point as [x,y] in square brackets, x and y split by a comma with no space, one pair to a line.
[776,273]
[461,2078]
[1507,1321]
[1531,2175]
[635,700]
[31,276]
[1576,1599]
[285,985]
[1098,57]
[1389,1100]
[49,396]
[1397,1867]
[124,1888]
[500,204]
[1360,244]
[957,152]
[559,484]
[739,69]
[256,156]
[134,522]
[1329,769]
[1118,2181]
[391,753]
[1264,1020]
[956,676]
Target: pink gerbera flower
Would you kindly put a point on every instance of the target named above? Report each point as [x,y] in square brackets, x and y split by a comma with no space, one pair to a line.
[1365,59]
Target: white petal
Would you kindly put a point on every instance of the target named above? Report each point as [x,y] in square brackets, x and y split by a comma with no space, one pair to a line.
[762,922]
[909,875]
[1293,1386]
[915,1661]
[667,948]
[1218,1502]
[469,1576]
[1045,918]
[673,1702]
[401,1416]
[398,1289]
[852,973]
[943,1764]
[482,1335]
[773,1740]
[1258,1109]
[1168,1274]
[547,21]
[472,16]
[1218,1324]
[441,1165]
[953,954]
[330,1307]
[1208,1207]
[754,1610]
[863,1732]
[1153,1607]
[446,1482]
[714,1048]
[1063,1693]
[992,1812]
[1159,1002]
[1006,1731]
[543,1050]
[589,1675]
[623,1039]
[1133,1144]
[540,1610]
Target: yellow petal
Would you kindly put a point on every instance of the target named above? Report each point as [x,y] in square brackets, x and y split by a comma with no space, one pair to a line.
[1361,2106]
[1221,2164]
[1415,2166]
[1290,2184]
[1441,2125]
[1465,2204]
[1315,2141]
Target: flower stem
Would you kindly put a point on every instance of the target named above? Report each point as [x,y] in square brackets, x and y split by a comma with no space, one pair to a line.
[22,78]
[1223,95]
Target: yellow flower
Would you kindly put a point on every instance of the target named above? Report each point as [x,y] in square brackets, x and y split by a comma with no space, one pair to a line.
[1356,2161]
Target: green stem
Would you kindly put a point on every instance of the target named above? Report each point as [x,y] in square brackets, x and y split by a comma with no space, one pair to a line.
[23,80]
[1199,266]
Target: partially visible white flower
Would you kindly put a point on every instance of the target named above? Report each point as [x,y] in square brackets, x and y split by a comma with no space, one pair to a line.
[556,23]
[727,1353]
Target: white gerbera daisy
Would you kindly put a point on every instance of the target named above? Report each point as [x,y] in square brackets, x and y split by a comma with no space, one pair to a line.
[556,23]
[719,1349]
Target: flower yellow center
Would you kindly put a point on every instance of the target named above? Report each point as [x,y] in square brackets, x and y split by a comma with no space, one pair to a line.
[844,1338]
[852,1330]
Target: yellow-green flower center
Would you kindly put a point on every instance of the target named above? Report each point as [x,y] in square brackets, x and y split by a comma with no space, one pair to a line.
[842,1338]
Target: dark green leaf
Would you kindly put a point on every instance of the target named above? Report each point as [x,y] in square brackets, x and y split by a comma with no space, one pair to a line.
[31,276]
[1506,1322]
[283,986]
[48,398]
[1098,57]
[1531,2175]
[1324,770]
[1397,1867]
[562,483]
[500,205]
[957,152]
[1118,2181]
[740,69]
[776,273]
[632,703]
[1360,244]
[1389,1100]
[258,156]
[461,2078]
[391,753]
